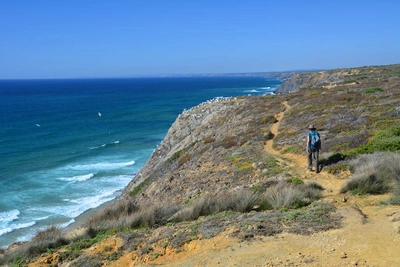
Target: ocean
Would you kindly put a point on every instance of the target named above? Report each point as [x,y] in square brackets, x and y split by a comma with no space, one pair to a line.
[67,146]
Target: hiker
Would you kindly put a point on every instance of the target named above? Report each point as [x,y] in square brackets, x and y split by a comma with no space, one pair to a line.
[313,147]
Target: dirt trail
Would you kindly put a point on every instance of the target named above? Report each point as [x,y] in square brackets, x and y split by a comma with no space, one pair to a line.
[369,235]
[299,163]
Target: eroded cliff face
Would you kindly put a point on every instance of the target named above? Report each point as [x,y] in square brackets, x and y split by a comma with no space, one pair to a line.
[197,153]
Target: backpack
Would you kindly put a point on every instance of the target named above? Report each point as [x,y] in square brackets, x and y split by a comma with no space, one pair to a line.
[315,140]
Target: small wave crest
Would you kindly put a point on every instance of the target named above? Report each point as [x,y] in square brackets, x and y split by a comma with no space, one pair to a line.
[9,216]
[86,203]
[103,145]
[79,178]
[12,227]
[103,166]
[72,208]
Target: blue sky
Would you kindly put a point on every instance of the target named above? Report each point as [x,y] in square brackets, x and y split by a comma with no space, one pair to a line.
[87,38]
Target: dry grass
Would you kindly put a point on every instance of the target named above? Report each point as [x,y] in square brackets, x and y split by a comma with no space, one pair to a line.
[375,173]
[284,195]
[117,217]
[50,238]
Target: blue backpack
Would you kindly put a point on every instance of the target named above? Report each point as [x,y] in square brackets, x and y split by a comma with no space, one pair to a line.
[315,140]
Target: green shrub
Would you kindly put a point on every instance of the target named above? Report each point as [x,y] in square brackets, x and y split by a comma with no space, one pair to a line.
[295,181]
[383,140]
[138,188]
[372,90]
[179,153]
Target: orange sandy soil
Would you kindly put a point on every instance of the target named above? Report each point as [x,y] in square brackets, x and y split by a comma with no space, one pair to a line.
[369,235]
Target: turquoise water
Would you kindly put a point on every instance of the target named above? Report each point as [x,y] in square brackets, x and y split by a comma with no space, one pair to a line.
[71,145]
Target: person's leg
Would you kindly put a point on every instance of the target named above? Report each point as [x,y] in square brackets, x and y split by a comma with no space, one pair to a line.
[310,160]
[316,158]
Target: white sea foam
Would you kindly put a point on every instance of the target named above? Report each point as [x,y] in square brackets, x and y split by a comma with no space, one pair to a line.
[102,166]
[6,231]
[265,88]
[41,218]
[63,225]
[15,226]
[9,216]
[85,203]
[79,178]
[251,91]
[76,207]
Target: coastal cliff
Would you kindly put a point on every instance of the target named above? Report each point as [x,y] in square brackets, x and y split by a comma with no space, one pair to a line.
[192,159]
[229,184]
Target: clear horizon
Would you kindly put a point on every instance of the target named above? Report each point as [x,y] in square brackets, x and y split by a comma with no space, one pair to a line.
[126,39]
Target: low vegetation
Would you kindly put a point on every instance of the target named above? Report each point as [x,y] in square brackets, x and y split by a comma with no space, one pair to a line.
[127,217]
[372,90]
[376,173]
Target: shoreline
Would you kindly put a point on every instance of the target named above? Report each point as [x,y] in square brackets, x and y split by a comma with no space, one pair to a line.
[76,228]
[73,230]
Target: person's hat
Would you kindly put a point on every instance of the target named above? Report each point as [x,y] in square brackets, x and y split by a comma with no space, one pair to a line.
[311,127]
